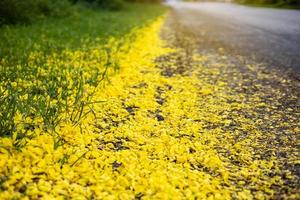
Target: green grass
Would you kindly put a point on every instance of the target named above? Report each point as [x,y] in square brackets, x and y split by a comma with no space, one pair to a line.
[16,42]
[49,94]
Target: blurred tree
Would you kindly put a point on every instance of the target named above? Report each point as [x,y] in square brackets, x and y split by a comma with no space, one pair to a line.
[145,1]
[109,4]
[24,11]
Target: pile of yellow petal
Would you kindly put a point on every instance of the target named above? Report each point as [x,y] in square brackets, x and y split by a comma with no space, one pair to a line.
[145,137]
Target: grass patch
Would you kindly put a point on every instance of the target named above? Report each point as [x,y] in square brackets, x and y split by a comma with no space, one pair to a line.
[46,67]
[86,24]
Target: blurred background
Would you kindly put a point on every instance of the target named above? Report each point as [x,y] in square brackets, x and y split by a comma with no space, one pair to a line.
[17,11]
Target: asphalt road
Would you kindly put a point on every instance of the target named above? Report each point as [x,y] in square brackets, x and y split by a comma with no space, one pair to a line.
[270,35]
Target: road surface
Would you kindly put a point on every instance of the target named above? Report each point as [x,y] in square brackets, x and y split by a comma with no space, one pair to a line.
[270,35]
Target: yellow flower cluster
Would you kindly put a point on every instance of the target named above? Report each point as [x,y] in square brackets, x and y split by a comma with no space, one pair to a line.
[146,136]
